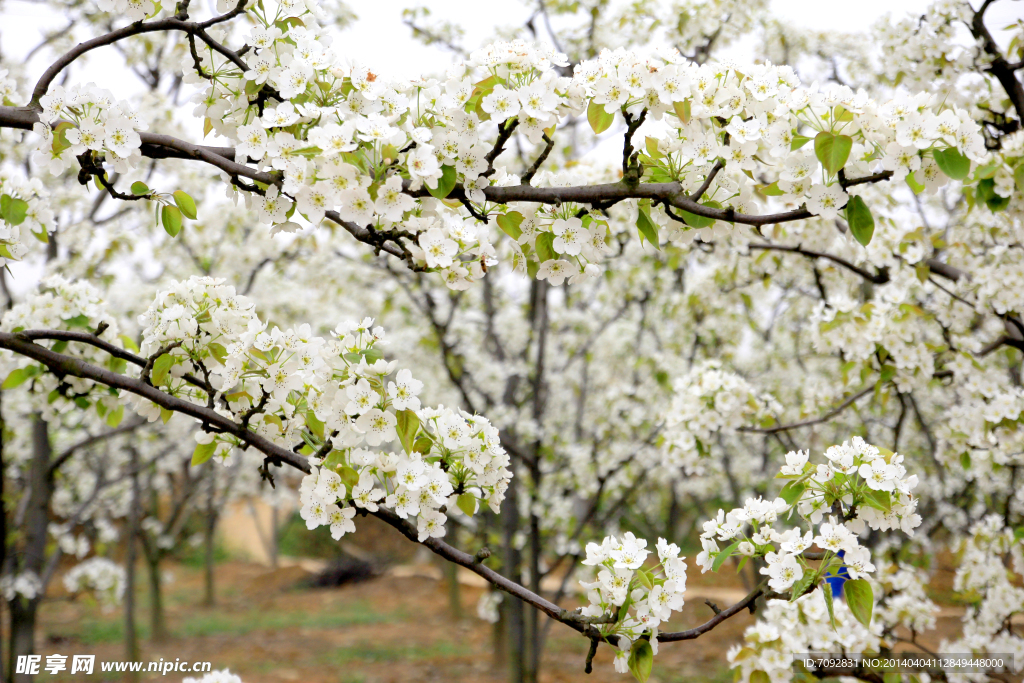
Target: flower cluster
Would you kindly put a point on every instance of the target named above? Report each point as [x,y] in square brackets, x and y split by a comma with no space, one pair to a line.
[803,625]
[345,142]
[103,578]
[369,439]
[84,119]
[706,400]
[60,304]
[26,584]
[886,328]
[22,205]
[989,576]
[859,484]
[639,599]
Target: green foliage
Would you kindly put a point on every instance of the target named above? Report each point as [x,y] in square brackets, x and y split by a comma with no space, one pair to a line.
[832,150]
[600,120]
[861,600]
[860,220]
[445,185]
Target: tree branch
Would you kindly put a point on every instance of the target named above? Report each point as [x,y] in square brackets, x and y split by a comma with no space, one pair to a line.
[879,278]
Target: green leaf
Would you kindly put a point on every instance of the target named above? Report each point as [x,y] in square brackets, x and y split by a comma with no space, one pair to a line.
[772,190]
[826,589]
[423,445]
[510,222]
[203,452]
[645,579]
[129,343]
[641,660]
[185,203]
[170,217]
[161,367]
[408,423]
[682,110]
[140,188]
[862,223]
[60,136]
[724,555]
[314,424]
[965,460]
[166,415]
[832,150]
[647,227]
[12,209]
[987,193]
[115,416]
[798,142]
[545,247]
[760,676]
[20,376]
[952,162]
[860,599]
[349,477]
[695,221]
[802,584]
[1018,178]
[445,185]
[914,184]
[467,503]
[600,120]
[792,491]
[987,171]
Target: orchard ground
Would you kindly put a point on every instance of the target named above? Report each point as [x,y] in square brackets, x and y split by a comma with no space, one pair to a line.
[270,626]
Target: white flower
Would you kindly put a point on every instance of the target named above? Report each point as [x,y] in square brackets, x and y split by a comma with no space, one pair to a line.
[783,570]
[377,425]
[826,200]
[438,250]
[554,271]
[403,391]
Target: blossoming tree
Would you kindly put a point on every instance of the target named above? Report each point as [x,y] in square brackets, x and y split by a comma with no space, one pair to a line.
[766,270]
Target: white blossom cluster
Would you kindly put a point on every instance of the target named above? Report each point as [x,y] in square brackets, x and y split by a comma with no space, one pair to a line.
[903,598]
[803,625]
[342,137]
[332,395]
[60,304]
[641,599]
[86,118]
[103,578]
[25,211]
[705,401]
[859,487]
[25,584]
[989,576]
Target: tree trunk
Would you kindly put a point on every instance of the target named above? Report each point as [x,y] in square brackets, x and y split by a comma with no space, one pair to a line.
[131,638]
[275,531]
[157,619]
[23,629]
[37,520]
[513,610]
[211,528]
[451,577]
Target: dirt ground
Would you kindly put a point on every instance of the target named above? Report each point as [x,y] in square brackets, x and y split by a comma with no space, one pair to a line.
[268,628]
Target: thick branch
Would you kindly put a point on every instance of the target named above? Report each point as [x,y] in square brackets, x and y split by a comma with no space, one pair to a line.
[62,366]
